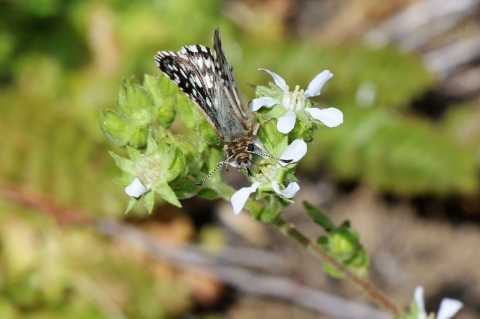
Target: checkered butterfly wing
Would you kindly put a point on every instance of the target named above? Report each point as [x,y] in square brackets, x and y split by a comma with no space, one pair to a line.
[210,84]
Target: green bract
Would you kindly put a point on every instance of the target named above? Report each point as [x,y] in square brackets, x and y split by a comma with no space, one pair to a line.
[342,243]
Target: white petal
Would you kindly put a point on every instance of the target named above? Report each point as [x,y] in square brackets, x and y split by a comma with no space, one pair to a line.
[240,197]
[288,192]
[295,151]
[256,104]
[448,308]
[286,122]
[418,297]
[278,80]
[316,85]
[331,116]
[135,188]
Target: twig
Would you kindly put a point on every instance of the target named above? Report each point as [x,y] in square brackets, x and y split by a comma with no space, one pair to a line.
[369,289]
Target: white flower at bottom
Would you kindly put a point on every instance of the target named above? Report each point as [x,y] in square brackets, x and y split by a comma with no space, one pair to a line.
[448,307]
[136,188]
[295,151]
[241,196]
[295,102]
[288,192]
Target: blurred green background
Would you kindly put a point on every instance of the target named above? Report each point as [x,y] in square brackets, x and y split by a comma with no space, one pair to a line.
[61,63]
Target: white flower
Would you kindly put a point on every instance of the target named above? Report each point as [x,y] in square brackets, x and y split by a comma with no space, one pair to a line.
[295,151]
[448,307]
[295,102]
[136,188]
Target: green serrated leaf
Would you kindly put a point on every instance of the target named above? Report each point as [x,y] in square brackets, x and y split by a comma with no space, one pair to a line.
[273,209]
[163,99]
[115,127]
[280,146]
[152,146]
[131,203]
[177,165]
[136,103]
[148,199]
[344,243]
[208,193]
[272,91]
[124,164]
[124,180]
[135,155]
[161,187]
[330,269]
[271,137]
[301,130]
[184,188]
[319,217]
[138,137]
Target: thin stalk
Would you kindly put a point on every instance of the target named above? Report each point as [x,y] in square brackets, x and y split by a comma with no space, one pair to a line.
[316,250]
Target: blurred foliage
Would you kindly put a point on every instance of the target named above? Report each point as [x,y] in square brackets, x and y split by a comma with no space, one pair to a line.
[61,63]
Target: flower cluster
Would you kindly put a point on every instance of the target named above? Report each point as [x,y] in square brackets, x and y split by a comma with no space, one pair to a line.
[295,102]
[270,177]
[448,307]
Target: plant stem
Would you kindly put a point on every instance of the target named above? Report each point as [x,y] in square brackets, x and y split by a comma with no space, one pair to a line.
[364,285]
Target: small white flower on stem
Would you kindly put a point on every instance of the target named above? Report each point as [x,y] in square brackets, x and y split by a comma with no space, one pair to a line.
[136,188]
[295,151]
[295,102]
[241,196]
[448,307]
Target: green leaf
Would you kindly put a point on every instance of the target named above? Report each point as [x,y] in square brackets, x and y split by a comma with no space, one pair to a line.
[124,180]
[343,244]
[148,199]
[163,99]
[178,166]
[271,138]
[319,217]
[330,269]
[125,165]
[161,187]
[272,91]
[152,146]
[115,127]
[192,153]
[302,130]
[208,193]
[135,155]
[184,188]
[135,103]
[273,209]
[131,203]
[138,137]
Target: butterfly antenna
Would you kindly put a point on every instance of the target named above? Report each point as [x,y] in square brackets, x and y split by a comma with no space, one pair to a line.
[272,157]
[220,164]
